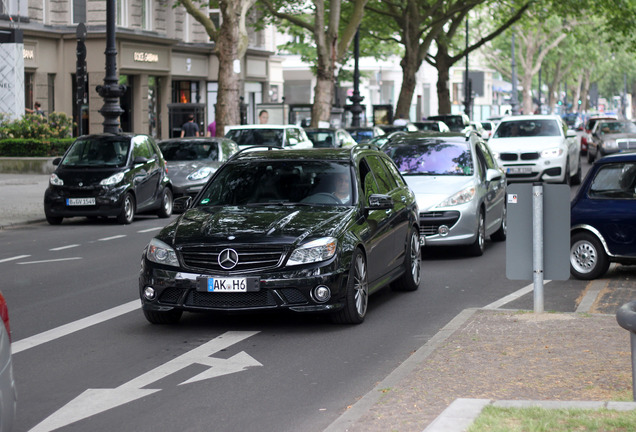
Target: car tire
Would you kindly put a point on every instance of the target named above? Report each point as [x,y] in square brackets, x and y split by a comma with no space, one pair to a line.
[54,220]
[127,213]
[477,248]
[163,317]
[588,259]
[566,178]
[357,292]
[410,280]
[165,211]
[501,234]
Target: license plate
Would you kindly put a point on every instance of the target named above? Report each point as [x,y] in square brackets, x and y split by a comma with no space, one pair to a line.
[519,170]
[227,284]
[80,201]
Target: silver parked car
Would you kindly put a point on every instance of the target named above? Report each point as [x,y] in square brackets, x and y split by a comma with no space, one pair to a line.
[459,187]
[192,161]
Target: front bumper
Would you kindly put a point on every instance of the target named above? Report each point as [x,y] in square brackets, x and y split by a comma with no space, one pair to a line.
[452,226]
[547,170]
[108,201]
[176,289]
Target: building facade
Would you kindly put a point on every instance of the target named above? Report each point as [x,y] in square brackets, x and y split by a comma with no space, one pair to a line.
[164,57]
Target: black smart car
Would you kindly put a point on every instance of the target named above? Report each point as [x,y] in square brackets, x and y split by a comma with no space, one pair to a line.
[116,175]
[314,230]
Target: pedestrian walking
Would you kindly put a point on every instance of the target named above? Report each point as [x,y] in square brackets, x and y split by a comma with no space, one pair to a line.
[190,128]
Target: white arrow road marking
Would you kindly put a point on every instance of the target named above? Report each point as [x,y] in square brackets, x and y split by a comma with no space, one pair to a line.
[95,401]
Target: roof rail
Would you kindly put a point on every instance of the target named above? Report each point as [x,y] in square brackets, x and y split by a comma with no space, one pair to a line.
[267,146]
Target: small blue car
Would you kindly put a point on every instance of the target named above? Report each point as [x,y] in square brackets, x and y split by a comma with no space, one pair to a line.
[603,217]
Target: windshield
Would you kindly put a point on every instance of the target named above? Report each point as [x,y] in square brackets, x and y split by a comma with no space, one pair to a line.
[189,150]
[455,123]
[290,182]
[616,127]
[528,128]
[321,138]
[432,158]
[249,137]
[103,151]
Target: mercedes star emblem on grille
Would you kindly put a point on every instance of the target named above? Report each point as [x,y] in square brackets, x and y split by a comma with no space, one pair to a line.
[228,259]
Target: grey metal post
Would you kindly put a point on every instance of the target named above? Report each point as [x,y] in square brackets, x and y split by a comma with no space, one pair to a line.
[626,318]
[537,246]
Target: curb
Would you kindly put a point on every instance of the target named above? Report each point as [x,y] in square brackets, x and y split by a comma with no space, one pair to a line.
[461,413]
[357,410]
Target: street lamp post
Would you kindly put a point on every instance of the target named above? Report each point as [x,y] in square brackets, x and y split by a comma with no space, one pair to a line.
[466,85]
[356,108]
[111,91]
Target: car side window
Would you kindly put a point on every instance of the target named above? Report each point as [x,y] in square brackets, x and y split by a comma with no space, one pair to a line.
[617,180]
[482,165]
[140,148]
[369,184]
[395,173]
[383,178]
[490,160]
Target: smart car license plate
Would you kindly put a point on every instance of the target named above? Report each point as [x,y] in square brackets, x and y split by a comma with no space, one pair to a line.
[227,284]
[519,170]
[80,201]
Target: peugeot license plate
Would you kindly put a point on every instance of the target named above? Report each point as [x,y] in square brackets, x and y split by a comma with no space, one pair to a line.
[227,284]
[80,201]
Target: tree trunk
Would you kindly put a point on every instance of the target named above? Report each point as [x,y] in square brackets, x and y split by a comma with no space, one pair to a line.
[323,96]
[227,46]
[442,64]
[585,89]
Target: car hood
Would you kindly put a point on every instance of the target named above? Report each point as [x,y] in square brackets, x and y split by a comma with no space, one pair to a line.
[523,145]
[87,176]
[262,224]
[618,136]
[431,190]
[182,169]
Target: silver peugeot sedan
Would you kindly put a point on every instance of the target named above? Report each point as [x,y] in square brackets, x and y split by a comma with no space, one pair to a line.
[459,187]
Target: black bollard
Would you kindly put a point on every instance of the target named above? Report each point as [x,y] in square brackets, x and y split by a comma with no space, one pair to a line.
[626,317]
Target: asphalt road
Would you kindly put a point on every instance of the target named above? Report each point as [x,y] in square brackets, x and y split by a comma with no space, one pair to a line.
[85,358]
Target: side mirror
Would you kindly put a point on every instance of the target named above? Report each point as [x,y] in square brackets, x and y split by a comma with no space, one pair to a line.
[380,202]
[140,160]
[571,134]
[292,141]
[493,174]
[181,204]
[56,161]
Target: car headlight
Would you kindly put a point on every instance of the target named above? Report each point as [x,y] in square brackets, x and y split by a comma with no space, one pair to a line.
[314,251]
[201,173]
[461,197]
[112,180]
[55,180]
[160,253]
[552,153]
[609,144]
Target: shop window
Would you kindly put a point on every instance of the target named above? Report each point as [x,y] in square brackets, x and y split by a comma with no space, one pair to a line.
[29,84]
[185,92]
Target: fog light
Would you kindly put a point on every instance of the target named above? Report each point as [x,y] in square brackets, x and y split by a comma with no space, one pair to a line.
[443,230]
[149,293]
[321,293]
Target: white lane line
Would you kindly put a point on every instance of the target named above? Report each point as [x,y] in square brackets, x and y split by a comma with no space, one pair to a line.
[14,258]
[49,261]
[66,329]
[64,247]
[112,238]
[511,297]
[150,229]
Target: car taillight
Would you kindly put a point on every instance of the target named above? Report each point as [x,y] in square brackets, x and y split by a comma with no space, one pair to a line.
[583,141]
[165,166]
[4,314]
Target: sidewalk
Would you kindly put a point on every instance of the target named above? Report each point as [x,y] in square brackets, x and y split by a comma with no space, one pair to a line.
[22,198]
[498,355]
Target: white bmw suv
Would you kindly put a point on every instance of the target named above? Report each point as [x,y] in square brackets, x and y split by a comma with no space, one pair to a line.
[537,148]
